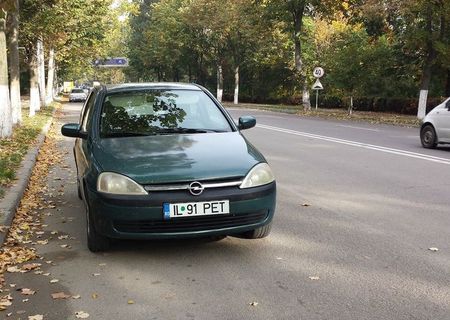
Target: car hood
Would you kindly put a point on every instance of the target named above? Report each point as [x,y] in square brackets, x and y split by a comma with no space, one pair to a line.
[176,158]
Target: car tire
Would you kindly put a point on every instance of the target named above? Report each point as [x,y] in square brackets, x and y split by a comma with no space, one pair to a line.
[257,233]
[79,190]
[428,137]
[95,241]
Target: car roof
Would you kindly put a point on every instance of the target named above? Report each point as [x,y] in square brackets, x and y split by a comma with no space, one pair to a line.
[152,85]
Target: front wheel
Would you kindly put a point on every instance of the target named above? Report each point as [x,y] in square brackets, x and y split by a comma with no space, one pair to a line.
[428,137]
[95,241]
[257,233]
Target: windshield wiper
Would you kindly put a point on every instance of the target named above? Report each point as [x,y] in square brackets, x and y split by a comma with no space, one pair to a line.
[183,130]
[127,134]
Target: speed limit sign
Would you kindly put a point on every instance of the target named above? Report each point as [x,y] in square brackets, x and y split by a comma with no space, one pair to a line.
[318,72]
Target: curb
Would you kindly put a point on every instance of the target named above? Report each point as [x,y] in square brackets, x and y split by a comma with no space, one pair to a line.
[14,194]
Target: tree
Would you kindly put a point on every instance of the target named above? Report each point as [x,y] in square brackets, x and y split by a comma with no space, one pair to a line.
[5,107]
[14,64]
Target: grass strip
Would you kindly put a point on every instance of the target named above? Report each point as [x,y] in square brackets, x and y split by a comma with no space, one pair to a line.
[13,150]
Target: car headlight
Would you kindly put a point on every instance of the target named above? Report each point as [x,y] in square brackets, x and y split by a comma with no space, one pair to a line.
[110,182]
[259,175]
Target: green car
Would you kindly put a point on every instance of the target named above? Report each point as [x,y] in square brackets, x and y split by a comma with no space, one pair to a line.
[166,160]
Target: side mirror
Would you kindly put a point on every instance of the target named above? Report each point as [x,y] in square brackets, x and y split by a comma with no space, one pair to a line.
[447,105]
[246,122]
[73,130]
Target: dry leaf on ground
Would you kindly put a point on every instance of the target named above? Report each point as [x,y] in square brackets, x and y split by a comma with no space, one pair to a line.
[60,295]
[81,315]
[27,291]
[36,317]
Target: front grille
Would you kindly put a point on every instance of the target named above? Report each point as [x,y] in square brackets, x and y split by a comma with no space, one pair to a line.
[189,224]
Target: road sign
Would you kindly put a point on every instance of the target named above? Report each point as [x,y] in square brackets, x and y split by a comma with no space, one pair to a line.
[111,62]
[318,72]
[317,85]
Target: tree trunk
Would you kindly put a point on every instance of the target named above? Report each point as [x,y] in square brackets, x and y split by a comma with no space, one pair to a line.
[50,76]
[219,82]
[350,108]
[14,64]
[306,101]
[5,107]
[447,85]
[34,87]
[427,65]
[236,85]
[297,16]
[41,71]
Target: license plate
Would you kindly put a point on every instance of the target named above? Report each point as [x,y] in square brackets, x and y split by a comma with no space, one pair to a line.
[196,209]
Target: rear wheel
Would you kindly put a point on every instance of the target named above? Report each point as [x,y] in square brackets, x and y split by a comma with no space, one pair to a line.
[257,233]
[428,137]
[95,241]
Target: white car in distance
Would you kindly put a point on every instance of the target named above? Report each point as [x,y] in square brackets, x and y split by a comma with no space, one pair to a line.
[435,128]
[77,94]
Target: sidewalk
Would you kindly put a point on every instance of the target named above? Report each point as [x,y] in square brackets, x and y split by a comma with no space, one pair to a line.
[14,193]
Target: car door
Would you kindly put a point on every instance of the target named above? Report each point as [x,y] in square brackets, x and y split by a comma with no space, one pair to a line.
[82,146]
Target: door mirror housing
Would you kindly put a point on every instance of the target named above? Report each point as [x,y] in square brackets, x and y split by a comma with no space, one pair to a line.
[447,105]
[73,130]
[246,122]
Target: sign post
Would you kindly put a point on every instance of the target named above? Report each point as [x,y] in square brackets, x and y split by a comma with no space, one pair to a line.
[317,73]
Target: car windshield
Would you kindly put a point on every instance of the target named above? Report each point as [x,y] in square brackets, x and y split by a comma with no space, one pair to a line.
[150,112]
[77,91]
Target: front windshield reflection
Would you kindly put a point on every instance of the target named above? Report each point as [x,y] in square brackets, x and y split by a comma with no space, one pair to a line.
[149,112]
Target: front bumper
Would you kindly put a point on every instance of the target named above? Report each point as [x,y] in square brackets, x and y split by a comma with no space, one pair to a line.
[141,217]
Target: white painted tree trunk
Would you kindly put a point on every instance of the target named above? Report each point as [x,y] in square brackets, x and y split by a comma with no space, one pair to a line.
[5,106]
[41,71]
[236,85]
[35,102]
[50,77]
[421,111]
[350,108]
[306,99]
[219,83]
[14,66]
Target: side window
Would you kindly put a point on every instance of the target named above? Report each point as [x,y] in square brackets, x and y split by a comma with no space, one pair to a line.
[87,112]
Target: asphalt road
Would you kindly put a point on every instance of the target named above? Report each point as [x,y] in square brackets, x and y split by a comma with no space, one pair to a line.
[358,208]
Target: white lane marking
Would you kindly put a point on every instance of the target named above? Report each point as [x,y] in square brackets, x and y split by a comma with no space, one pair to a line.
[360,128]
[360,144]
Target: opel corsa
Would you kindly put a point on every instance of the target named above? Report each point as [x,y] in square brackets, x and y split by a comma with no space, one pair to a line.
[166,160]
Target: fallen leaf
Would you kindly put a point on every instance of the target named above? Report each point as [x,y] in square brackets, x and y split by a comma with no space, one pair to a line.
[313,278]
[96,274]
[433,249]
[81,315]
[306,205]
[60,295]
[102,264]
[54,232]
[42,242]
[76,296]
[130,302]
[25,300]
[65,246]
[36,317]
[12,285]
[30,266]
[54,281]
[254,303]
[13,269]
[27,291]
[94,296]
[63,237]
[279,258]
[46,274]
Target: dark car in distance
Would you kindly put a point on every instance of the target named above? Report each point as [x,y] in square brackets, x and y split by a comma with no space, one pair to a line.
[166,160]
